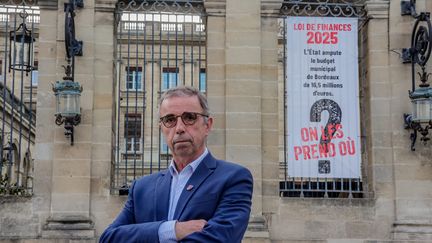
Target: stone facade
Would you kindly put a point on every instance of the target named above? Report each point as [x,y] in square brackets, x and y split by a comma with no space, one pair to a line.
[72,200]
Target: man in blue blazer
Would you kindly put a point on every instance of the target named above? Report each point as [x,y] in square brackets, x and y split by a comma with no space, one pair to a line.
[198,198]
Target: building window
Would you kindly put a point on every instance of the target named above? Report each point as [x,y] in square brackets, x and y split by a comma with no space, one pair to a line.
[133,78]
[170,78]
[4,17]
[133,21]
[202,80]
[34,78]
[35,75]
[199,27]
[133,132]
[171,27]
[163,145]
[134,26]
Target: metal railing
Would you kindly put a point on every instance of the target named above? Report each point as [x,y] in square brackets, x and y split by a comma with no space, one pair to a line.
[159,45]
[17,103]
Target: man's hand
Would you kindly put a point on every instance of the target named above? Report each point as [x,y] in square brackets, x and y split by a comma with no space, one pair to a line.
[186,228]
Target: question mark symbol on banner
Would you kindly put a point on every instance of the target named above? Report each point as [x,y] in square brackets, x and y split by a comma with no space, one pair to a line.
[335,117]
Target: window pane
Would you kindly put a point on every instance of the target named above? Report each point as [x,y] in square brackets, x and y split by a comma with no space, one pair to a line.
[170,78]
[133,125]
[133,78]
[35,75]
[138,80]
[202,80]
[163,145]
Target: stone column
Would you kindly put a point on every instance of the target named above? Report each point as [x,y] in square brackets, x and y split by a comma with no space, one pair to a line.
[44,148]
[235,88]
[379,161]
[73,171]
[216,74]
[244,97]
[243,89]
[270,110]
[103,207]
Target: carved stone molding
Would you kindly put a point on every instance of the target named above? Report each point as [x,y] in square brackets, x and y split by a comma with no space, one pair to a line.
[408,230]
[105,5]
[270,7]
[75,227]
[215,7]
[48,4]
[378,9]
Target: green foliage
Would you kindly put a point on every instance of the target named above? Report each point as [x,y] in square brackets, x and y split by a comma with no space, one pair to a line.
[3,184]
[9,189]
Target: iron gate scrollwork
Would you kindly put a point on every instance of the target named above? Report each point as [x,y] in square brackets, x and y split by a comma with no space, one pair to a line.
[338,8]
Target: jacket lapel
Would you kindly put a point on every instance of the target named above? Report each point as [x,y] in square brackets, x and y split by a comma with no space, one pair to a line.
[162,194]
[204,169]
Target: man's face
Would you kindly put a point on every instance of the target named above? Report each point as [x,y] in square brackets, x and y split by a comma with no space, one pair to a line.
[186,142]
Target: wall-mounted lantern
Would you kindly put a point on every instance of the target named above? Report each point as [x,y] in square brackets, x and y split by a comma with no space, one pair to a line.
[68,92]
[68,110]
[21,47]
[421,97]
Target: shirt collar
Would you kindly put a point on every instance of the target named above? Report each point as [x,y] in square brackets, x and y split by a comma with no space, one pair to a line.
[193,165]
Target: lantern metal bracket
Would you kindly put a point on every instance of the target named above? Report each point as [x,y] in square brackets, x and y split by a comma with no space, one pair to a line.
[408,8]
[416,127]
[69,123]
[73,46]
[418,54]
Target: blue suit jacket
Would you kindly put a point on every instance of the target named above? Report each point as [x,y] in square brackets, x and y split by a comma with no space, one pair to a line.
[221,194]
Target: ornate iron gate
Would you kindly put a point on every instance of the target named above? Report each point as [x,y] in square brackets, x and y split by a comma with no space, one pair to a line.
[19,32]
[159,45]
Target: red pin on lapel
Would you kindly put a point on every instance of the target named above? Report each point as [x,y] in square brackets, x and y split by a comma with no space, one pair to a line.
[189,187]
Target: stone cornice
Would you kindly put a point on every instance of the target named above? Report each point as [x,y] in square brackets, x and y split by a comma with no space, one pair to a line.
[215,7]
[378,9]
[48,4]
[270,7]
[105,5]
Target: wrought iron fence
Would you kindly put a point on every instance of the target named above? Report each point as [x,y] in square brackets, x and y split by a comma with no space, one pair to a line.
[159,45]
[19,22]
[299,186]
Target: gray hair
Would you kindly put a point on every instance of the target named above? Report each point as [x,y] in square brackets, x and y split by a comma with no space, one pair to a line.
[186,91]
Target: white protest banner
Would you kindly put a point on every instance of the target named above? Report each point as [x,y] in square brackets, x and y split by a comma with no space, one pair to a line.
[323,121]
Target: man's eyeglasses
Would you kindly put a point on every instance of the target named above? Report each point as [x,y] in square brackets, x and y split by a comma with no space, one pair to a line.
[188,118]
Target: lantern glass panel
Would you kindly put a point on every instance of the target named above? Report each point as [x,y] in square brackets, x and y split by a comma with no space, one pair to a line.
[21,57]
[422,110]
[69,104]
